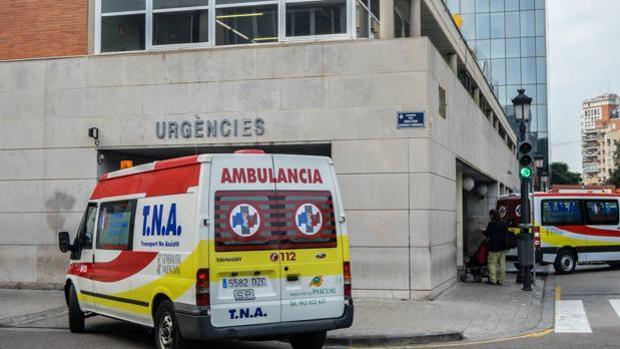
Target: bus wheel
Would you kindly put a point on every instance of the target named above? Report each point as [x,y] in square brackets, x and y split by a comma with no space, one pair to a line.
[565,262]
[167,334]
[76,316]
[313,340]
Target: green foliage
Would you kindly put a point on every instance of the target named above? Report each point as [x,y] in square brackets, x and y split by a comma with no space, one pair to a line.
[560,174]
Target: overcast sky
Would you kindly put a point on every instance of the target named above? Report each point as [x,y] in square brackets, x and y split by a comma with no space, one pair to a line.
[584,61]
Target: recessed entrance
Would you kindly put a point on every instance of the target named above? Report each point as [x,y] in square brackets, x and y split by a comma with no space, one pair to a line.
[110,159]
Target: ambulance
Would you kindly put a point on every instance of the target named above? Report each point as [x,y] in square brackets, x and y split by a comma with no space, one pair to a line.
[215,246]
[570,228]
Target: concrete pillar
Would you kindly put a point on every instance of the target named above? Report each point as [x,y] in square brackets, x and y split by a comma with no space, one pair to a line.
[386,11]
[415,18]
[459,219]
[453,61]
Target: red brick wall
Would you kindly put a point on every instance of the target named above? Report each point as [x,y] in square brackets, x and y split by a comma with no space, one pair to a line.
[43,28]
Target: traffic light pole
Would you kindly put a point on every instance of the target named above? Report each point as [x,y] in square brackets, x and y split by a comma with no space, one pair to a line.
[527,241]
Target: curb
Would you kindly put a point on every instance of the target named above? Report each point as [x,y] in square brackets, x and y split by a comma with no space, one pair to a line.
[39,316]
[394,340]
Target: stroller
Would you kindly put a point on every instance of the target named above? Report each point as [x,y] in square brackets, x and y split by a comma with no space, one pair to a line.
[476,265]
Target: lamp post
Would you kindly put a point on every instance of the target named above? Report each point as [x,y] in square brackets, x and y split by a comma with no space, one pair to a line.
[525,245]
[539,162]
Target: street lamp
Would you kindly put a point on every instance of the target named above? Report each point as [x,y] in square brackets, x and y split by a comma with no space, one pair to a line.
[525,246]
[539,162]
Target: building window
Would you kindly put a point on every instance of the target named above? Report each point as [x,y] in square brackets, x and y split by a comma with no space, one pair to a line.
[443,106]
[134,25]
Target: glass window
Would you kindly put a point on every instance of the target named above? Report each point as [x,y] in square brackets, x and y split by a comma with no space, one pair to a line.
[454,6]
[533,126]
[502,95]
[512,5]
[513,71]
[161,4]
[528,70]
[527,4]
[541,46]
[540,4]
[497,5]
[87,227]
[513,48]
[122,33]
[602,212]
[469,27]
[498,48]
[497,25]
[115,225]
[108,6]
[541,91]
[542,118]
[561,212]
[483,26]
[310,221]
[246,24]
[528,27]
[498,69]
[482,49]
[468,6]
[482,6]
[528,47]
[540,22]
[180,27]
[316,18]
[530,90]
[512,24]
[541,69]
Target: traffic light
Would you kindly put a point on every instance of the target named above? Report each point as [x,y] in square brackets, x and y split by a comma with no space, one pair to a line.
[525,160]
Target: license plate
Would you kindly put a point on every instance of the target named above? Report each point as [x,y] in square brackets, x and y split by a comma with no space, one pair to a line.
[250,282]
[244,295]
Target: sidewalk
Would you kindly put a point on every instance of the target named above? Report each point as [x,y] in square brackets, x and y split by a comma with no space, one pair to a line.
[466,311]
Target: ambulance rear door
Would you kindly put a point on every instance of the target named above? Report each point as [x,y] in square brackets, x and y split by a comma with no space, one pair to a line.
[244,267]
[311,260]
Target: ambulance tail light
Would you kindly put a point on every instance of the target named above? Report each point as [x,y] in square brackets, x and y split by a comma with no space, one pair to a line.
[536,236]
[346,272]
[202,288]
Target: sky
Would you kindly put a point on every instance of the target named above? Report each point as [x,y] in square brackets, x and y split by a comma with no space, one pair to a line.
[583,62]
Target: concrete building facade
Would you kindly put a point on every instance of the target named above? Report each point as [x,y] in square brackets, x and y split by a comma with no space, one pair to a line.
[407,211]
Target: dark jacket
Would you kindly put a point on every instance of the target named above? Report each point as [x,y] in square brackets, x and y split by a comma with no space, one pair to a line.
[496,232]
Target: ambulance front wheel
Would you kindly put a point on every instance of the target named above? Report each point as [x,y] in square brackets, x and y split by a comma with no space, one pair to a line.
[167,334]
[76,316]
[313,340]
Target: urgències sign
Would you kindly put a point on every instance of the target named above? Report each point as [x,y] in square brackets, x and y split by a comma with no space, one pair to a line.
[199,128]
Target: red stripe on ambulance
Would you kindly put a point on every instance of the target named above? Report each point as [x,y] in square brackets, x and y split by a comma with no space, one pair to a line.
[125,265]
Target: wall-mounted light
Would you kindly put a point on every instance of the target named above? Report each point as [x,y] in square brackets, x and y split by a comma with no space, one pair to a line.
[93,133]
[468,184]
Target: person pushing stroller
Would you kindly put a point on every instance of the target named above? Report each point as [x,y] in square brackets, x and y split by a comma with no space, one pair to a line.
[496,232]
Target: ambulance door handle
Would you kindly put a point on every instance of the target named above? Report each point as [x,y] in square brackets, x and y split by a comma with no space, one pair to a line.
[292,278]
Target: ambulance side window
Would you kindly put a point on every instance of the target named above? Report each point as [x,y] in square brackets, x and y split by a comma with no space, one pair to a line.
[87,227]
[115,225]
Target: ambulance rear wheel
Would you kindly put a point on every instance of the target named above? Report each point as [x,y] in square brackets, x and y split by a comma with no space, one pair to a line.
[313,340]
[76,316]
[167,335]
[565,262]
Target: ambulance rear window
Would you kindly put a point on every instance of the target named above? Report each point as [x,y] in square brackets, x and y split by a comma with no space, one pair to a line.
[267,220]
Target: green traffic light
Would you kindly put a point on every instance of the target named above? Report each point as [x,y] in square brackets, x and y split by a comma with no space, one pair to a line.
[526,172]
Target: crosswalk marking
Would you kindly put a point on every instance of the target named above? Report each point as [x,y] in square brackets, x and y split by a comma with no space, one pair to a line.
[570,317]
[615,303]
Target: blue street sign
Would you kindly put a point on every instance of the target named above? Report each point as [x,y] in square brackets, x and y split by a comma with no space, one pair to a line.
[410,119]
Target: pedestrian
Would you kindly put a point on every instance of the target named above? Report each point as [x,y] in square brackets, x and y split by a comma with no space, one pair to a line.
[496,232]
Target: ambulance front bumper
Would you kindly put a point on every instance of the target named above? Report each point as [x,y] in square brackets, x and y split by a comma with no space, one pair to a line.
[195,324]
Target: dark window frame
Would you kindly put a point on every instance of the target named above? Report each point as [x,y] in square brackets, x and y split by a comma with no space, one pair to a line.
[587,212]
[545,222]
[81,232]
[134,203]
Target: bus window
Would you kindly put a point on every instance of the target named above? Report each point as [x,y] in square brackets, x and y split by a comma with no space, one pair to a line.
[602,212]
[562,212]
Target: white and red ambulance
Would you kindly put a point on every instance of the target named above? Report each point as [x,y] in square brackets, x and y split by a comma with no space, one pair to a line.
[244,245]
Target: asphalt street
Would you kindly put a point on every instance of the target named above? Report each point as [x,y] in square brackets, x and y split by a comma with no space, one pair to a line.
[587,299]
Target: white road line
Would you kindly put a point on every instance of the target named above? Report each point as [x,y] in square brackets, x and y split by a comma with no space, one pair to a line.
[615,303]
[570,317]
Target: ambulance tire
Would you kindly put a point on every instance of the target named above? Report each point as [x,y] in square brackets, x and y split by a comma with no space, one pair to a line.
[565,262]
[313,340]
[167,334]
[76,316]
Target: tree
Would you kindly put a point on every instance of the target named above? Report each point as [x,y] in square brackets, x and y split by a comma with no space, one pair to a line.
[614,176]
[560,174]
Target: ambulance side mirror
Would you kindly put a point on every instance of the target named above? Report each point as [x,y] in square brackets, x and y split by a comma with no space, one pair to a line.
[64,243]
